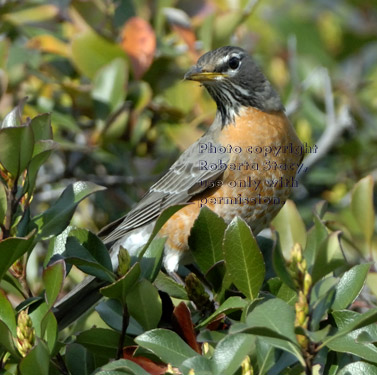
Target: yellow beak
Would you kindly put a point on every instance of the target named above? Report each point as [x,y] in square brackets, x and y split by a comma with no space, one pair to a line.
[197,74]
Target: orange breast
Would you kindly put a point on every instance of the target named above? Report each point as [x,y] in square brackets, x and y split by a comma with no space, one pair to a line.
[257,180]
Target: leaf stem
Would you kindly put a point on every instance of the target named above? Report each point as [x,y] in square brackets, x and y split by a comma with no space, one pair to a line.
[125,322]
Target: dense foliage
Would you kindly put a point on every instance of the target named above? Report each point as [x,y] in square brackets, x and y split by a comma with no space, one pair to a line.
[107,107]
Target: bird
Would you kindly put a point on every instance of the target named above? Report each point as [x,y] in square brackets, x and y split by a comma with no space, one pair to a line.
[244,165]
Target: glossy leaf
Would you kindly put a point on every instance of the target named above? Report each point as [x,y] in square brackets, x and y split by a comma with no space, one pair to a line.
[329,257]
[41,126]
[168,285]
[16,148]
[280,265]
[356,322]
[230,352]
[120,288]
[79,360]
[54,220]
[122,366]
[87,261]
[111,312]
[7,314]
[144,304]
[7,340]
[231,304]
[100,341]
[243,258]
[290,226]
[151,261]
[14,117]
[264,320]
[93,245]
[11,249]
[37,315]
[53,277]
[350,286]
[201,364]
[36,361]
[316,236]
[167,345]
[49,327]
[206,239]
[349,342]
[358,368]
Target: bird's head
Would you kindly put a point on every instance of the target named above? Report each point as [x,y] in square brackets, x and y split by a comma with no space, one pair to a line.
[234,81]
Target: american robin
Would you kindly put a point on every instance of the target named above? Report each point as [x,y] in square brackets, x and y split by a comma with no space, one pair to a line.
[244,165]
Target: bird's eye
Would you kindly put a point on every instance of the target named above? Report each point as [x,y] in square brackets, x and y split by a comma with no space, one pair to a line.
[234,62]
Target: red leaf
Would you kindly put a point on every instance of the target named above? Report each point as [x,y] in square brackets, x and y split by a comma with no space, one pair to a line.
[144,362]
[139,42]
[185,328]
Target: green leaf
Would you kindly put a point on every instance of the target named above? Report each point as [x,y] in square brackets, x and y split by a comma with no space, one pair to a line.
[202,366]
[167,345]
[16,148]
[349,342]
[350,286]
[86,261]
[42,151]
[7,340]
[243,258]
[7,314]
[90,52]
[79,360]
[280,265]
[111,312]
[329,257]
[265,320]
[38,315]
[231,304]
[270,314]
[3,203]
[168,285]
[362,206]
[11,249]
[358,368]
[316,236]
[14,117]
[122,366]
[206,239]
[37,361]
[120,288]
[150,263]
[230,352]
[109,85]
[57,217]
[290,226]
[49,327]
[144,304]
[356,322]
[93,245]
[41,126]
[53,277]
[100,341]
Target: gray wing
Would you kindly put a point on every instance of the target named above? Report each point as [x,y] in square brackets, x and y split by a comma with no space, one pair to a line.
[183,180]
